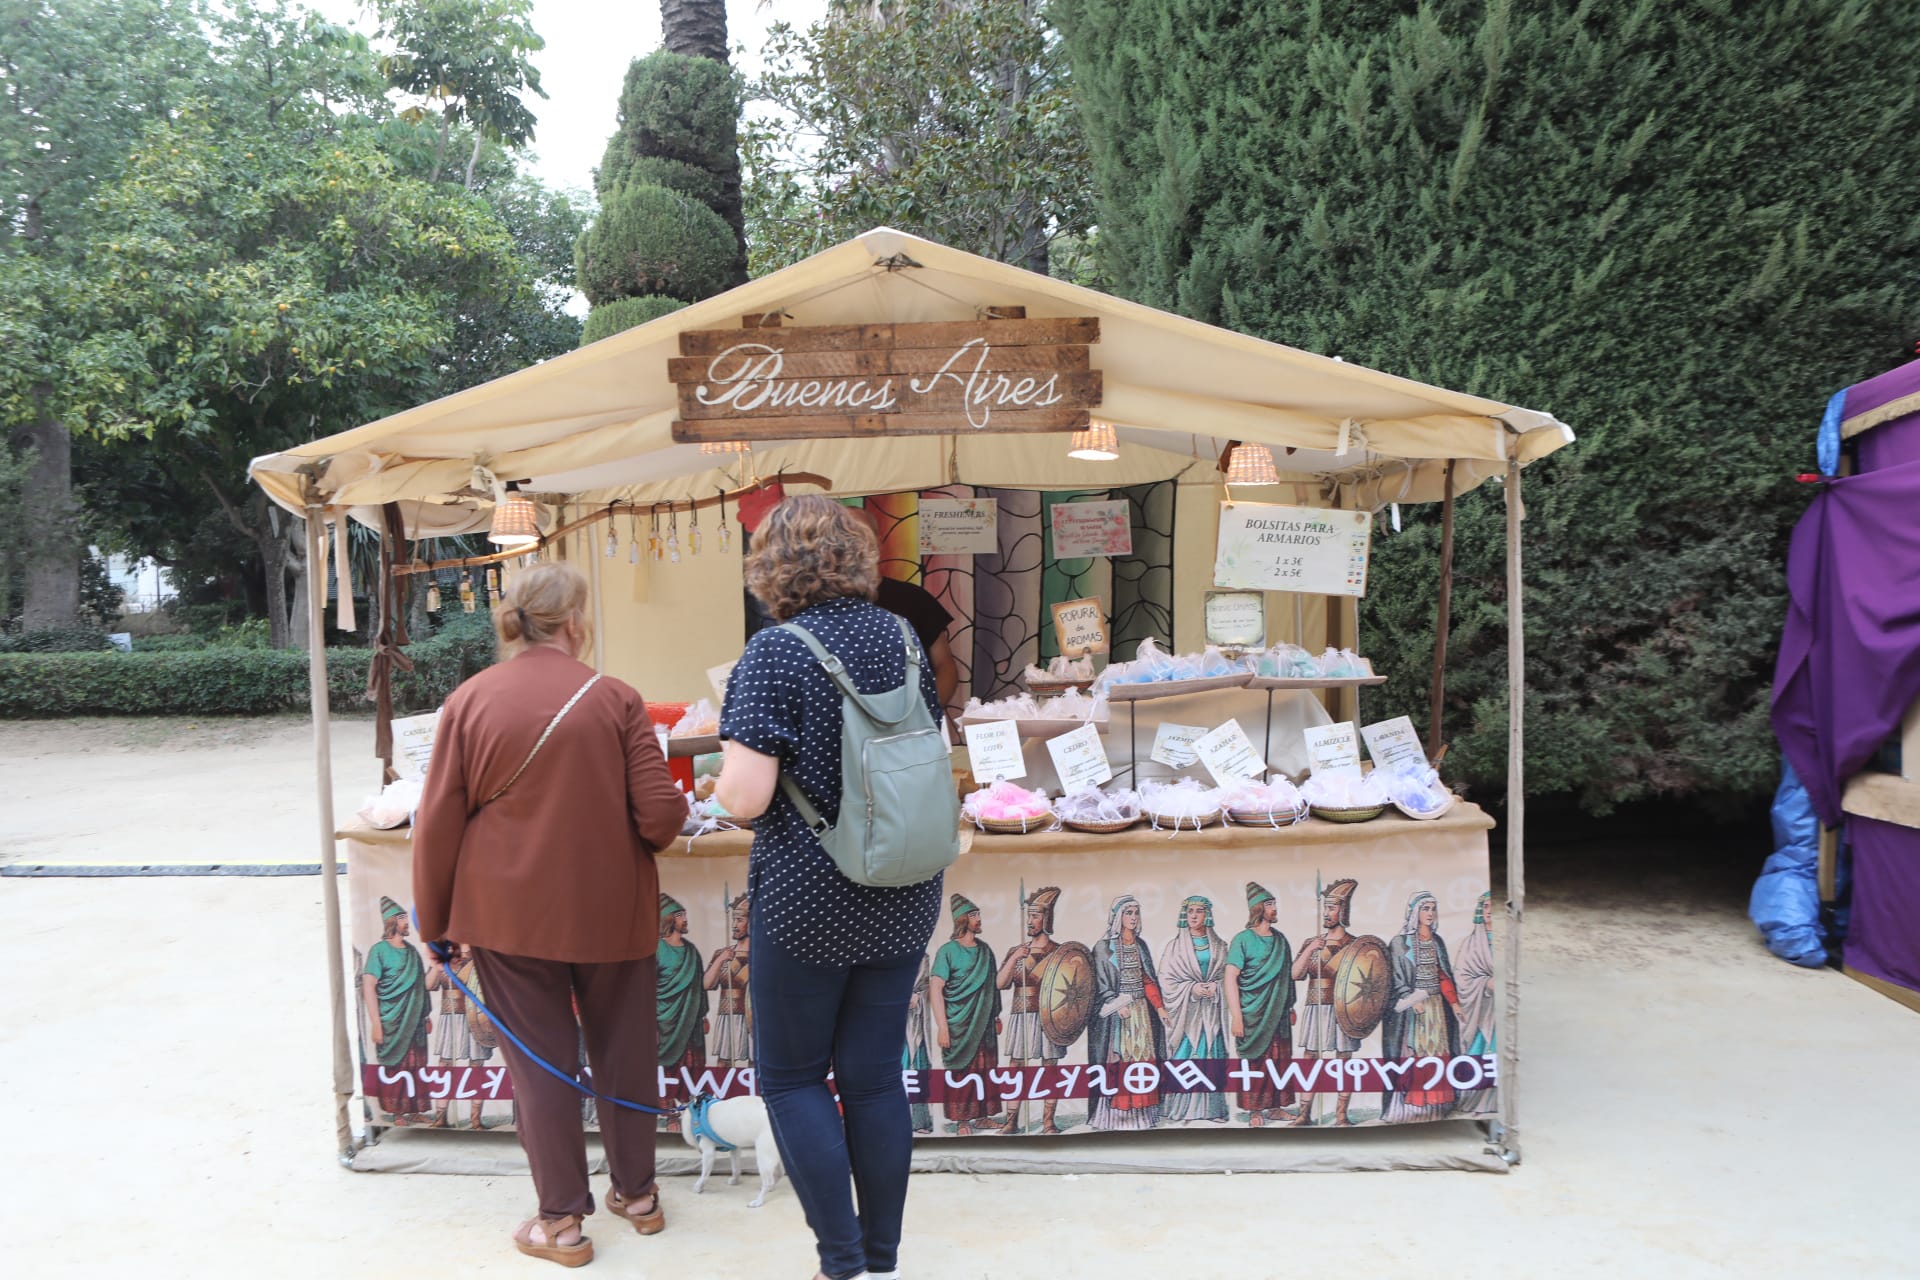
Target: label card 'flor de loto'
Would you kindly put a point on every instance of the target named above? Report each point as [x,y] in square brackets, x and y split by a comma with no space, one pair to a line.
[993,751]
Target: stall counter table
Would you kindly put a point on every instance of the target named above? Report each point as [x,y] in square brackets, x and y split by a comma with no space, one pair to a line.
[1170,1056]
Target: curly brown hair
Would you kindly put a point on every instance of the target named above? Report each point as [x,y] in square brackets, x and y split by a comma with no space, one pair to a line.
[811,548]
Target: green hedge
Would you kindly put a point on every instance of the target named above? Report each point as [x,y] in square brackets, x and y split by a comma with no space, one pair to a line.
[622,314]
[216,682]
[56,640]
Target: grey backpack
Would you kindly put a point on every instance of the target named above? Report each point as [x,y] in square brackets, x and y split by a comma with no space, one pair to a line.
[899,813]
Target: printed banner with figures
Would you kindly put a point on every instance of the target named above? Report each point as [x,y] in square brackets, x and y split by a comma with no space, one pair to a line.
[1131,986]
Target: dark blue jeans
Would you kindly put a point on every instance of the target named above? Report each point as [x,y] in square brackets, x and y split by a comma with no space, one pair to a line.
[850,1020]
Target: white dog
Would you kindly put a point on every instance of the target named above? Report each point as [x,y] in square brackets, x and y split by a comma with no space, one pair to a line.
[713,1125]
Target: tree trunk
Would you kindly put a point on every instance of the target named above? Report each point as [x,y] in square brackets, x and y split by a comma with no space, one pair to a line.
[695,28]
[473,159]
[292,538]
[273,561]
[52,545]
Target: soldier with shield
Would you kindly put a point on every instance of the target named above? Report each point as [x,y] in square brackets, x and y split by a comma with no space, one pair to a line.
[1321,1034]
[1027,1041]
[726,976]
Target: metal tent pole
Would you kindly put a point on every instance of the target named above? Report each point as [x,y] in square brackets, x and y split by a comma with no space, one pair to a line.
[329,855]
[1509,1137]
[1442,618]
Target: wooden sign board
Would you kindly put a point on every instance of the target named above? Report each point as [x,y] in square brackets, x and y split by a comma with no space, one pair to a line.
[835,381]
[1080,627]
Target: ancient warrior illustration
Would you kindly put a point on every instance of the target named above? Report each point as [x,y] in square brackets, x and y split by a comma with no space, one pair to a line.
[394,987]
[453,1040]
[1422,1019]
[1319,1033]
[1027,1043]
[966,1014]
[682,1000]
[1126,1025]
[1260,992]
[726,977]
[1193,973]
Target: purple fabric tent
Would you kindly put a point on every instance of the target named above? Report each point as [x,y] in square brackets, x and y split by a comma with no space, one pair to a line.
[1849,662]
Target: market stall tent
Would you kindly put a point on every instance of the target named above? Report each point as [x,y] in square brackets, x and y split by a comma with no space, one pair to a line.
[594,428]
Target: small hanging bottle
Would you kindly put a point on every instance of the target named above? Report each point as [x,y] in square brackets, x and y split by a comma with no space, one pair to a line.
[466,592]
[693,532]
[433,597]
[673,533]
[613,537]
[725,533]
[656,548]
[493,586]
[633,538]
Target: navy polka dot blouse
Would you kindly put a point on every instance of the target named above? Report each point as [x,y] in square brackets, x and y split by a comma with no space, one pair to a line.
[782,704]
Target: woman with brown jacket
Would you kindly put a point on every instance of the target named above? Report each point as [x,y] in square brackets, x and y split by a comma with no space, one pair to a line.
[545,801]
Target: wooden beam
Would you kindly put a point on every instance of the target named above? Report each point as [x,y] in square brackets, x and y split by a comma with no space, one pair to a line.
[992,400]
[769,320]
[851,426]
[869,337]
[858,364]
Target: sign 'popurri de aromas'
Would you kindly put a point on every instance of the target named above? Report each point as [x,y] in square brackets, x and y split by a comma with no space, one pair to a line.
[943,378]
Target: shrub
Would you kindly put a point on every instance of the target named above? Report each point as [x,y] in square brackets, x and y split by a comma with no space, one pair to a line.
[230,681]
[624,313]
[649,240]
[55,640]
[621,168]
[681,108]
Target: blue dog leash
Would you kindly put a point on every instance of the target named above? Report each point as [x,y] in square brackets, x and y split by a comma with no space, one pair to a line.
[442,954]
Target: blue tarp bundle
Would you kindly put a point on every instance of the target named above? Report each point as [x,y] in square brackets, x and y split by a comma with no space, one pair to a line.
[1786,897]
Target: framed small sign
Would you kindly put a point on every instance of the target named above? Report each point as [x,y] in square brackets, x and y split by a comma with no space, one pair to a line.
[1080,627]
[1236,619]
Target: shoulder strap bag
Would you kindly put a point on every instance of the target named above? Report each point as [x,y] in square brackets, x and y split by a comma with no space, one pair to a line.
[547,733]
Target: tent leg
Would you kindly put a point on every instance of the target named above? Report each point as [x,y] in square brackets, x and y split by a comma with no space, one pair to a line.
[1509,1048]
[329,852]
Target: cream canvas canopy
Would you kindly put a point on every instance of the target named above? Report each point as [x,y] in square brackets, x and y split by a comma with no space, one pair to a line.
[594,424]
[595,427]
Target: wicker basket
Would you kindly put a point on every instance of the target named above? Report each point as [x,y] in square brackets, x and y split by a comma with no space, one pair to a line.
[1366,813]
[1265,818]
[1016,826]
[1100,828]
[1429,816]
[1167,822]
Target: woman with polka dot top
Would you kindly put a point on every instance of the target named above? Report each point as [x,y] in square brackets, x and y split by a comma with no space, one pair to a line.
[834,962]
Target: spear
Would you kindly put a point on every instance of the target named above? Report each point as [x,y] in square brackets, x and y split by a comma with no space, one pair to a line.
[1320,919]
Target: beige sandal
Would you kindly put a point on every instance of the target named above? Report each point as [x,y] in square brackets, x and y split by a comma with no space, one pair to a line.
[647,1224]
[578,1254]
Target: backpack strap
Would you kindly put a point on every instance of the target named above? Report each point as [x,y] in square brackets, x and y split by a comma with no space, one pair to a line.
[837,672]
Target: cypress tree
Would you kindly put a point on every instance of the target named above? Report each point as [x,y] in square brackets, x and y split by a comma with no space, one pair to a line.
[1672,225]
[671,227]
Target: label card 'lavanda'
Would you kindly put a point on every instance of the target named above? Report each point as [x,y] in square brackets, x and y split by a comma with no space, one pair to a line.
[1229,754]
[413,744]
[1333,750]
[1173,744]
[1079,757]
[1393,742]
[993,752]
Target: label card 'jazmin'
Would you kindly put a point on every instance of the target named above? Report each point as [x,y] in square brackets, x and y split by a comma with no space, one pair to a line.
[1173,744]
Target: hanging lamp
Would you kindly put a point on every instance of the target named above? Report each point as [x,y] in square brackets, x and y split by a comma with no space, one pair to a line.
[1096,443]
[516,520]
[1251,464]
[726,446]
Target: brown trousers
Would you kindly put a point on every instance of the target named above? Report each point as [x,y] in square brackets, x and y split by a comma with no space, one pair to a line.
[618,1008]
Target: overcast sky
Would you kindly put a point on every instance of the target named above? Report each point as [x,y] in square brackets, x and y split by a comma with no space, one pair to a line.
[589,45]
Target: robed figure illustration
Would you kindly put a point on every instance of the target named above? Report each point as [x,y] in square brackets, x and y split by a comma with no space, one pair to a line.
[1423,1004]
[682,1004]
[393,986]
[1260,995]
[917,1055]
[1126,1025]
[1193,969]
[966,1015]
[1477,1013]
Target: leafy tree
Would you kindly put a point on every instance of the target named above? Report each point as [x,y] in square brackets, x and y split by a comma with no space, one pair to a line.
[79,79]
[1669,224]
[949,118]
[471,60]
[264,287]
[652,241]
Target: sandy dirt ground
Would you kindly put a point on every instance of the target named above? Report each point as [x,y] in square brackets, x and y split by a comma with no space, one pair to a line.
[1692,1107]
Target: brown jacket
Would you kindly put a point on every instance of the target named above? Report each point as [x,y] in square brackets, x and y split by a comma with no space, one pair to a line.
[561,866]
